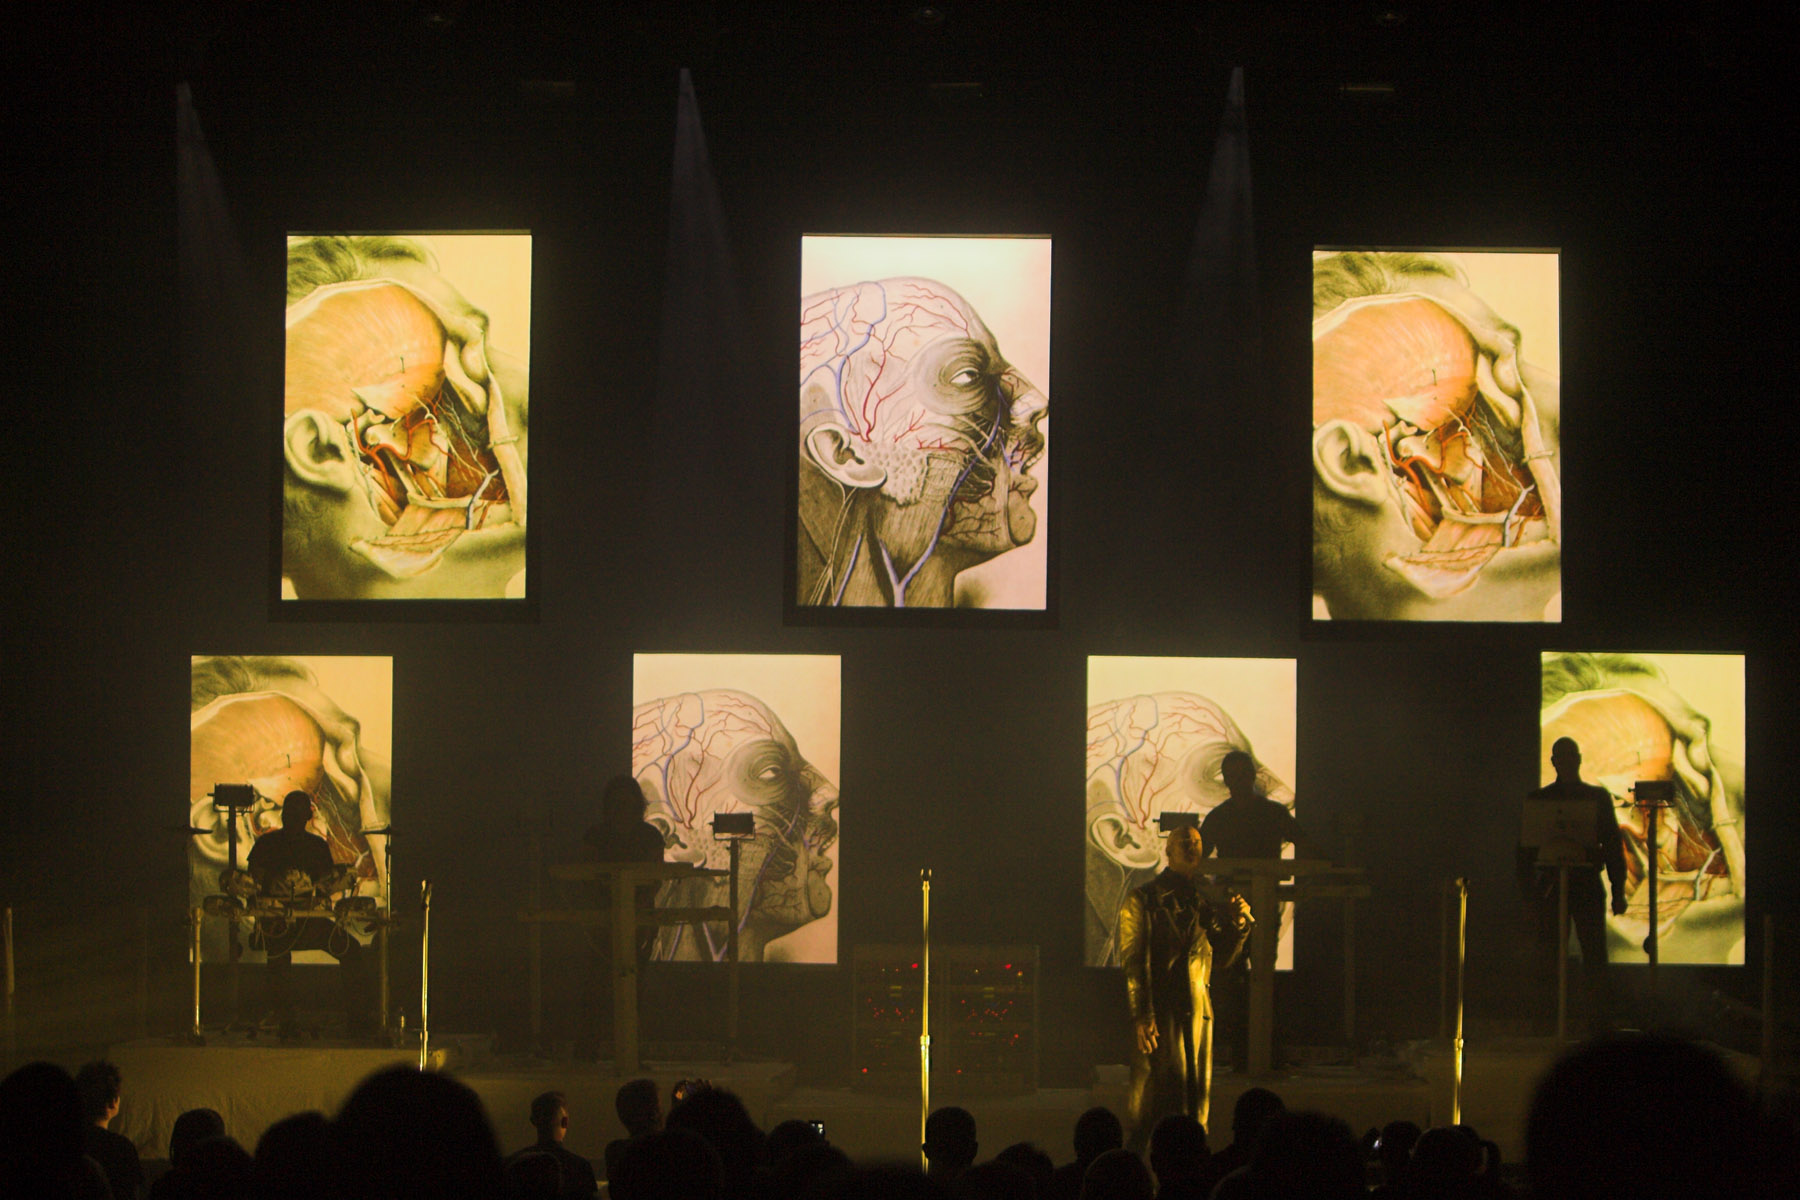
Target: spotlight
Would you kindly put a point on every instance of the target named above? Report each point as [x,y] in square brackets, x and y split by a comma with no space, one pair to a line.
[929,16]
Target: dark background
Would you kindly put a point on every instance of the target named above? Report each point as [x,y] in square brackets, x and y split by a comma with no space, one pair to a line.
[1647,151]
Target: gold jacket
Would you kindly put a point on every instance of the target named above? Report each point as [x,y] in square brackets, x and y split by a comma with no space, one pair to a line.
[1170,929]
[1171,932]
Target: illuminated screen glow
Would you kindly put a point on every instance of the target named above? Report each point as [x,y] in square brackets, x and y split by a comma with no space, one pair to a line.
[404,437]
[733,733]
[320,725]
[1437,453]
[1659,717]
[1157,731]
[924,393]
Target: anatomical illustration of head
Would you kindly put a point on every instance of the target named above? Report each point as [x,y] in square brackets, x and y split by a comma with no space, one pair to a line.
[1147,755]
[404,436]
[1632,725]
[1436,451]
[268,723]
[701,753]
[917,442]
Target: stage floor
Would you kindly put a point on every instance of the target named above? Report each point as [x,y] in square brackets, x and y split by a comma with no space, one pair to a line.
[254,1083]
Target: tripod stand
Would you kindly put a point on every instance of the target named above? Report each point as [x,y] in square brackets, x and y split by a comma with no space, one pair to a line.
[234,800]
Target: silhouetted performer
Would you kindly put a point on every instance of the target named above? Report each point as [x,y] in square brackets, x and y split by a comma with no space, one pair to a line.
[273,858]
[1587,903]
[1172,932]
[1246,825]
[622,836]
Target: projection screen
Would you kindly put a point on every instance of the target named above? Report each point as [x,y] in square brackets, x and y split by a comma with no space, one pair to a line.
[1436,450]
[1157,731]
[404,439]
[743,733]
[1657,717]
[924,385]
[323,726]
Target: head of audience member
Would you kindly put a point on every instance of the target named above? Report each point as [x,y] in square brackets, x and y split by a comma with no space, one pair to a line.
[192,1127]
[1177,1150]
[1096,1131]
[40,1126]
[294,1160]
[405,1132]
[1254,1109]
[1306,1154]
[1585,1141]
[215,1168]
[1394,1147]
[720,1117]
[1443,1163]
[792,1136]
[674,1164]
[806,1168]
[950,1144]
[1034,1162]
[639,1106]
[550,1117]
[100,1085]
[1117,1175]
[994,1181]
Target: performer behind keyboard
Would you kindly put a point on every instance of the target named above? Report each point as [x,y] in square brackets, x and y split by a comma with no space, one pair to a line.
[274,861]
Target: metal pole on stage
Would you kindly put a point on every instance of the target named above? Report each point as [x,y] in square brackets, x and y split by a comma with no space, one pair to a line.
[1462,945]
[731,949]
[383,978]
[197,914]
[925,1016]
[1653,795]
[425,974]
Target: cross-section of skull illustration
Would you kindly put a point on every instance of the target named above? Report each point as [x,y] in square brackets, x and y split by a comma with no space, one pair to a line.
[282,736]
[1631,727]
[395,406]
[917,440]
[1434,455]
[1147,755]
[700,753]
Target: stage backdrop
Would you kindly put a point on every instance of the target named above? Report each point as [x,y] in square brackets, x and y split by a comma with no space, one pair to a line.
[404,442]
[1157,731]
[1673,717]
[733,733]
[323,726]
[1437,452]
[924,385]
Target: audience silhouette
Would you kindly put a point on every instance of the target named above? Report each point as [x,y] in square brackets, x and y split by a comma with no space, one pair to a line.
[408,1133]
